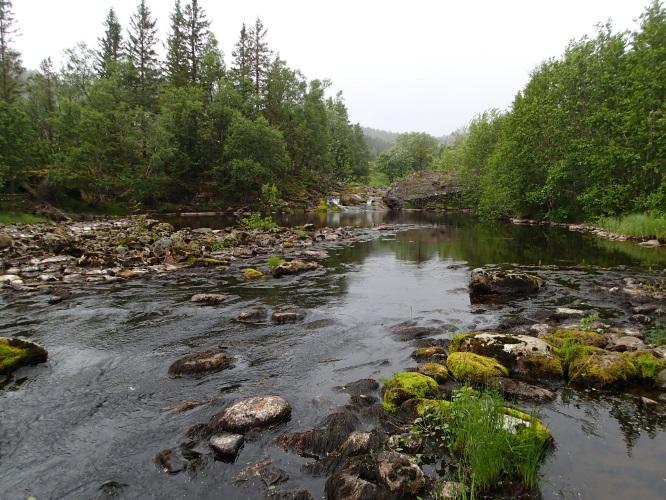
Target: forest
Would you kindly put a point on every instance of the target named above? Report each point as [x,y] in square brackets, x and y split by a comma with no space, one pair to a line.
[585,138]
[118,124]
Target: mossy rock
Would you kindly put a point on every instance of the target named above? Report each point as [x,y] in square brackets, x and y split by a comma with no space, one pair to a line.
[467,366]
[647,364]
[203,262]
[428,352]
[563,335]
[594,367]
[542,432]
[458,340]
[407,385]
[442,406]
[435,371]
[252,274]
[15,353]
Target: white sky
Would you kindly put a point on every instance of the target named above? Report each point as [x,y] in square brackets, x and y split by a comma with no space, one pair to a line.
[402,65]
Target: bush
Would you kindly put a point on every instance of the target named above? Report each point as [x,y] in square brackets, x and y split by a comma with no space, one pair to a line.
[256,221]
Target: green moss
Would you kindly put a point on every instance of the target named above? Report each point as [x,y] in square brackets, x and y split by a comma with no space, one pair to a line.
[467,366]
[252,274]
[435,371]
[441,406]
[598,368]
[428,352]
[203,262]
[288,244]
[559,337]
[301,235]
[540,428]
[543,367]
[458,340]
[274,261]
[407,385]
[20,218]
[10,357]
[647,364]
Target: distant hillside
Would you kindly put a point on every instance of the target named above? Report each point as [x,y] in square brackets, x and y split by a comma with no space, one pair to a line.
[378,140]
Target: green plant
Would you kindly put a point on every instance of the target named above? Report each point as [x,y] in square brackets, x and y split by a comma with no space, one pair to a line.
[657,334]
[431,424]
[275,261]
[587,322]
[637,225]
[270,198]
[20,218]
[256,221]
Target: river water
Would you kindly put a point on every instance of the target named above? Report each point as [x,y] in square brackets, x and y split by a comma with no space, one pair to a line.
[89,422]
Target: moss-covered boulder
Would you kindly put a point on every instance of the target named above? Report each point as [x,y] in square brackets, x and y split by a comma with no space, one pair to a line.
[407,385]
[593,367]
[648,364]
[503,282]
[15,353]
[435,371]
[523,355]
[426,353]
[470,367]
[252,274]
[573,335]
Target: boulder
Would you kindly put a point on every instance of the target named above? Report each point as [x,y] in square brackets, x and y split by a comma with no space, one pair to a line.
[257,411]
[170,461]
[563,336]
[594,367]
[470,367]
[525,356]
[15,352]
[252,274]
[427,353]
[436,371]
[210,298]
[226,444]
[409,330]
[450,490]
[660,380]
[162,246]
[6,241]
[626,343]
[407,385]
[399,474]
[293,267]
[503,282]
[521,390]
[200,363]
[348,486]
[287,314]
[252,314]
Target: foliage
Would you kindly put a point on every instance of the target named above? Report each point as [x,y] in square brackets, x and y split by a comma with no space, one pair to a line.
[275,261]
[643,226]
[20,218]
[657,334]
[256,221]
[412,152]
[587,322]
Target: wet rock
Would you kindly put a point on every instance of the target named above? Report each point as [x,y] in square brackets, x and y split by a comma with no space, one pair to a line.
[200,363]
[409,330]
[436,371]
[359,387]
[501,282]
[650,244]
[186,405]
[11,279]
[6,241]
[567,312]
[170,461]
[407,385]
[450,490]
[289,495]
[562,336]
[210,298]
[293,267]
[324,440]
[358,443]
[347,486]
[399,474]
[648,404]
[15,352]
[226,444]
[288,314]
[660,380]
[521,390]
[599,368]
[470,367]
[427,353]
[408,443]
[264,470]
[258,411]
[252,314]
[626,343]
[524,355]
[252,274]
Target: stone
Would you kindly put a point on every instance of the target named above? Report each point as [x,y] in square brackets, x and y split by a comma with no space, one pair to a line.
[169,461]
[357,443]
[254,412]
[210,298]
[289,495]
[252,314]
[563,336]
[598,368]
[626,343]
[287,314]
[524,355]
[407,385]
[399,474]
[16,352]
[660,380]
[162,246]
[436,371]
[503,282]
[294,267]
[409,330]
[521,390]
[226,444]
[252,274]
[200,363]
[650,244]
[409,443]
[648,404]
[347,486]
[426,353]
[470,367]
[450,490]
[6,241]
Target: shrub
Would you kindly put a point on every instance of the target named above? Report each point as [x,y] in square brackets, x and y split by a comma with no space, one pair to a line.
[256,221]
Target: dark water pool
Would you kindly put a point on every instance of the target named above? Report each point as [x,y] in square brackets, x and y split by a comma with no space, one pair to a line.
[88,423]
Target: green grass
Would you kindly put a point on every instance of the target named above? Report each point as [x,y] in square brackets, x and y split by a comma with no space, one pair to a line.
[274,261]
[657,334]
[20,218]
[646,226]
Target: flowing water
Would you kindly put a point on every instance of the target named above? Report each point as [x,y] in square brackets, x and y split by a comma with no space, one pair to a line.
[89,422]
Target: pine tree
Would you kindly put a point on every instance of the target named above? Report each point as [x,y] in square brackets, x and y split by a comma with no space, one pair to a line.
[176,61]
[241,55]
[197,34]
[142,39]
[110,46]
[259,57]
[10,59]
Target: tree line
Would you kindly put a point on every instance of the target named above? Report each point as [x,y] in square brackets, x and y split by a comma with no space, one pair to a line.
[118,123]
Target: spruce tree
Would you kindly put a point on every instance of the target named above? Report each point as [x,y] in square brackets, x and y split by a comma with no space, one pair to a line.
[197,34]
[259,57]
[142,39]
[176,60]
[10,59]
[241,54]
[110,46]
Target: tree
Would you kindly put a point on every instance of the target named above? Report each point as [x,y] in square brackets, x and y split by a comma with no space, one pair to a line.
[412,152]
[110,46]
[142,39]
[196,35]
[176,66]
[241,66]
[212,67]
[10,59]
[259,59]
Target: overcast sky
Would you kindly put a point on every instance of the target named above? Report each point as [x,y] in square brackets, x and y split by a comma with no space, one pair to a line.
[408,65]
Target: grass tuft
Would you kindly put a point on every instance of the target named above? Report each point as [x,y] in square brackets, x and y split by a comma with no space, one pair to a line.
[20,218]
[647,226]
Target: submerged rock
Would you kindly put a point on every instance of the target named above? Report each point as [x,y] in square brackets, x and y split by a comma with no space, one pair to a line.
[500,282]
[294,267]
[407,385]
[289,495]
[226,445]
[15,352]
[287,314]
[470,367]
[324,440]
[210,298]
[170,461]
[347,486]
[409,330]
[521,390]
[258,411]
[200,363]
[251,314]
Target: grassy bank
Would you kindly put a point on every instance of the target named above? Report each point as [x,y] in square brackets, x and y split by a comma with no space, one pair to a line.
[20,218]
[647,226]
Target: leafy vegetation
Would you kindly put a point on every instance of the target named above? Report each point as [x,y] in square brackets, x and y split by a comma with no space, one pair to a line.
[274,261]
[256,221]
[116,123]
[586,137]
[657,334]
